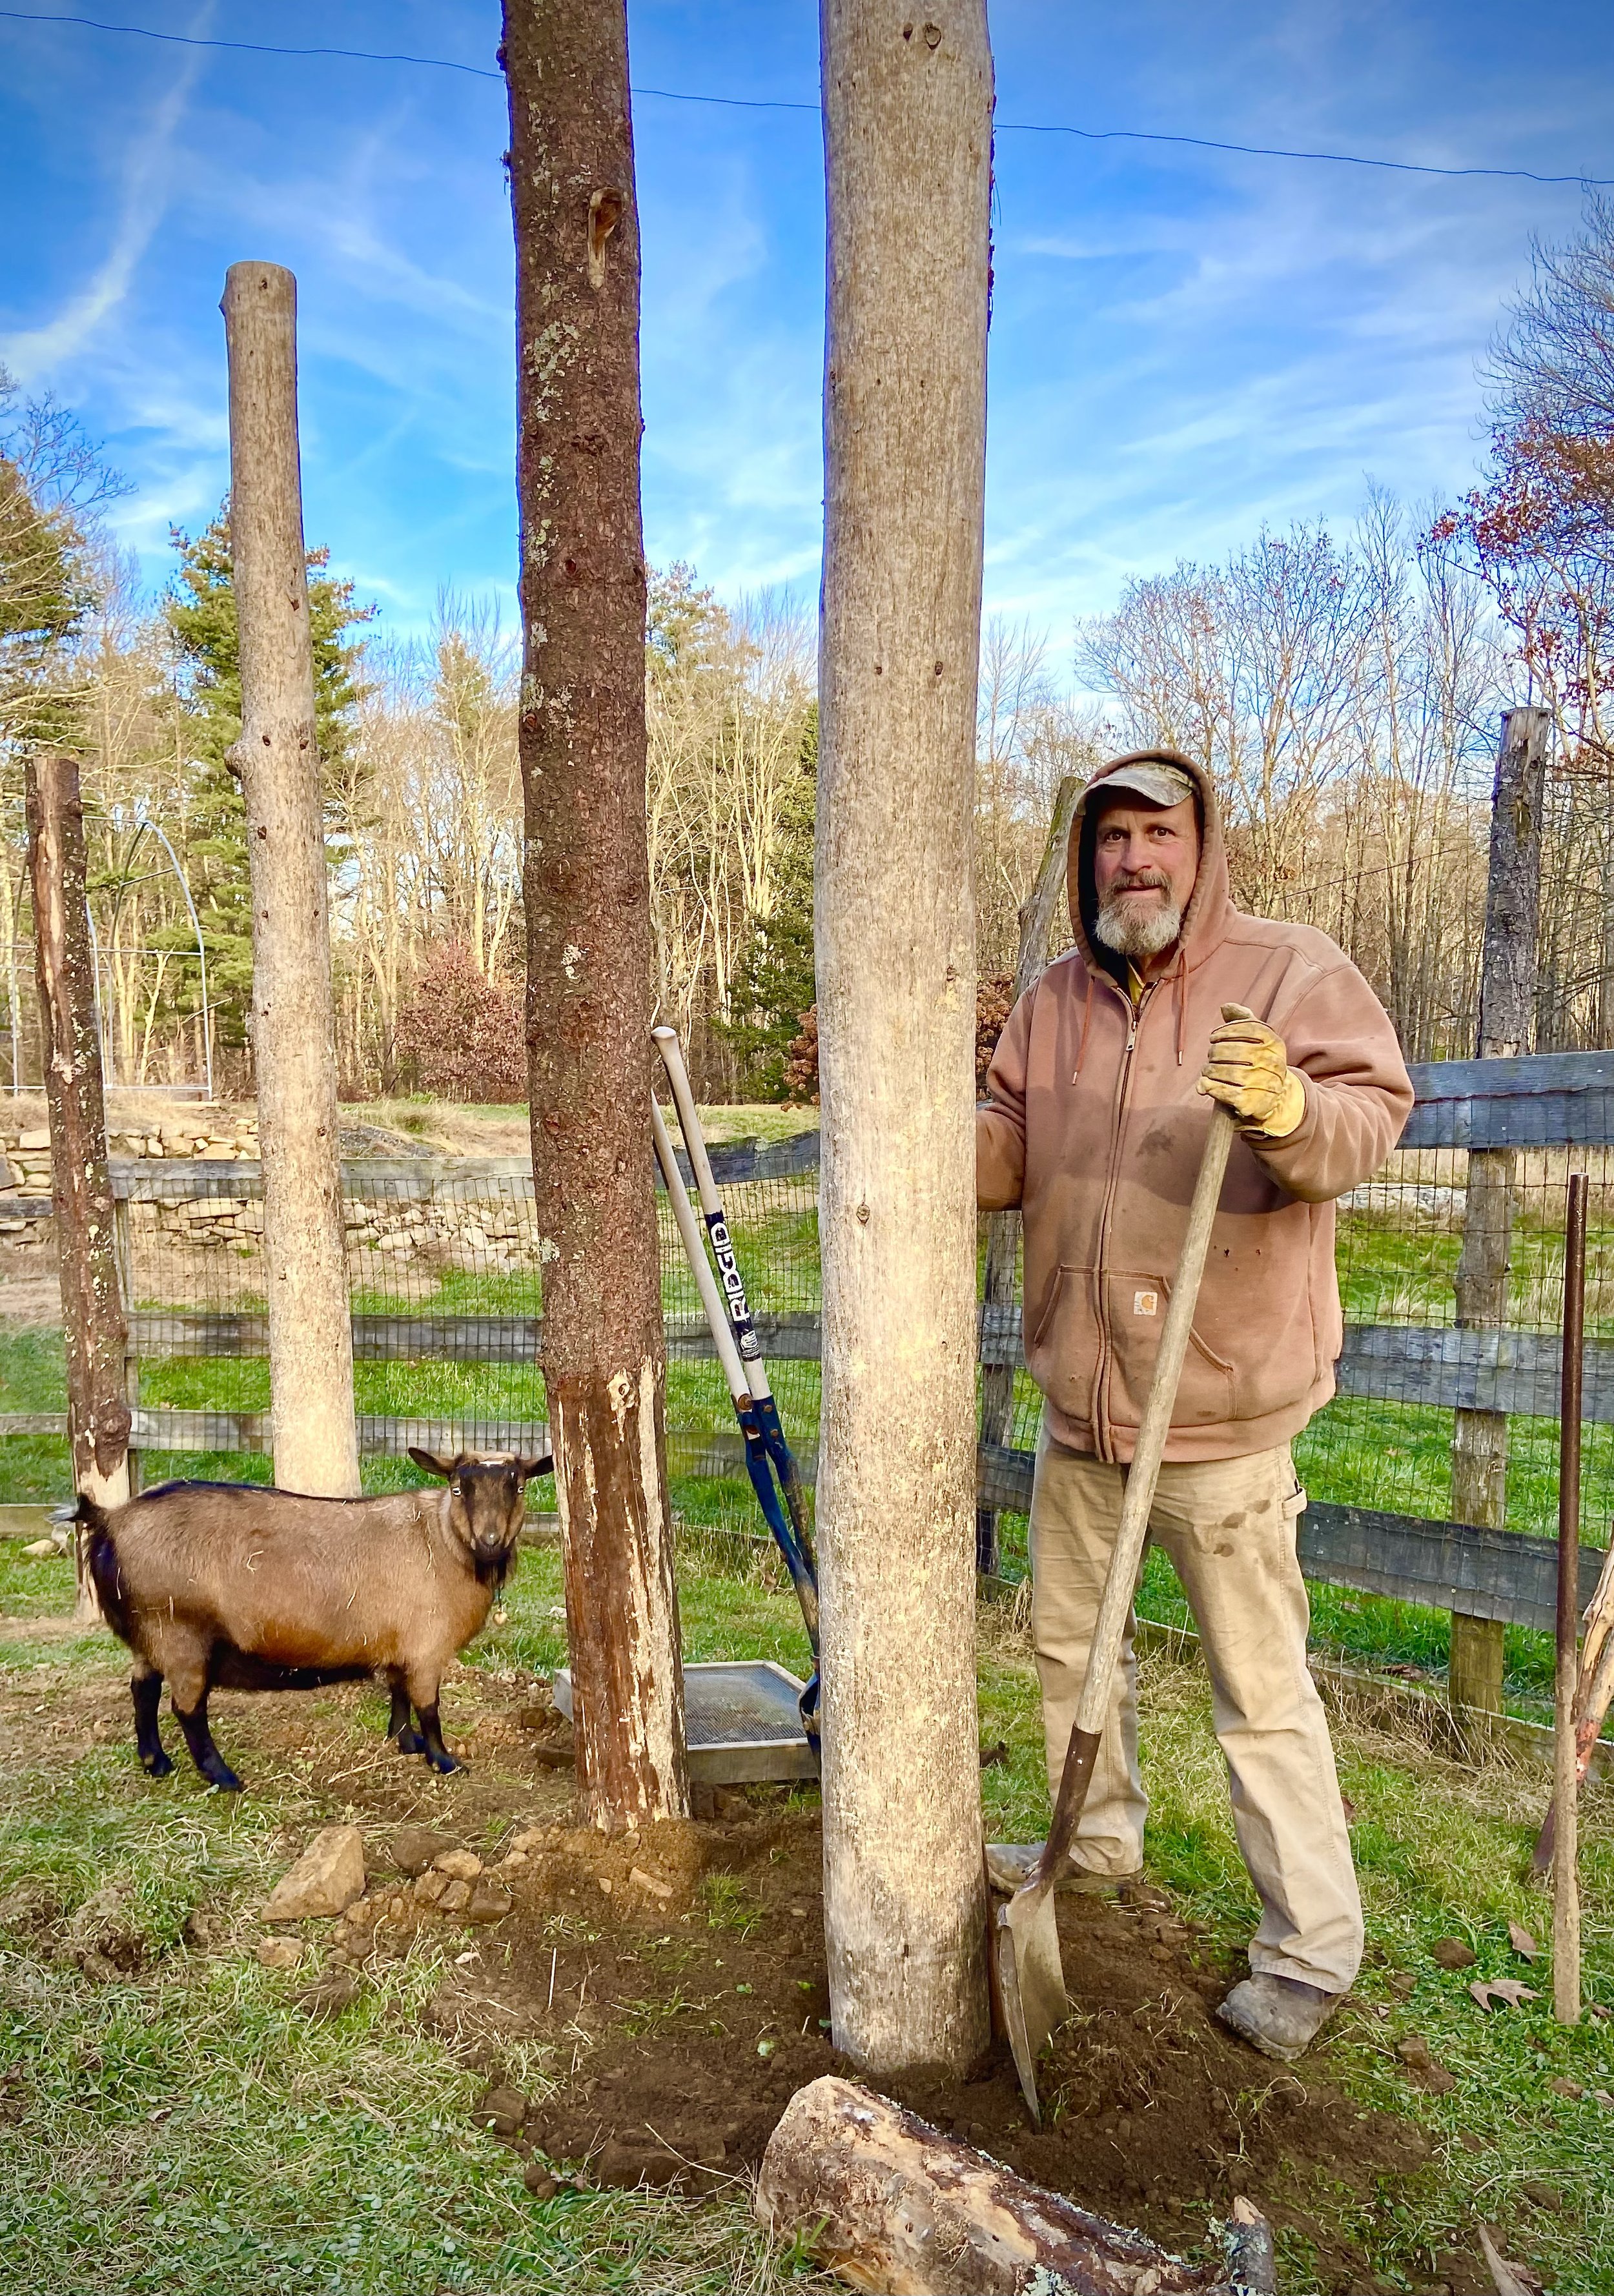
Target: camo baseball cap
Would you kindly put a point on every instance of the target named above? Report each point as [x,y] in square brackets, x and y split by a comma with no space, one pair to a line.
[1150,778]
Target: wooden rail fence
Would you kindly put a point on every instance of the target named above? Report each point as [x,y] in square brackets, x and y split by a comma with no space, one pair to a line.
[1548,1101]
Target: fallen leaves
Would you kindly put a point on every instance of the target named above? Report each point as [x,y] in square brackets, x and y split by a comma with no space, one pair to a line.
[1507,2279]
[1512,1992]
[1521,1941]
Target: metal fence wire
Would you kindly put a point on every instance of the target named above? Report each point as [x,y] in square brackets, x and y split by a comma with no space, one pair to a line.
[1451,1272]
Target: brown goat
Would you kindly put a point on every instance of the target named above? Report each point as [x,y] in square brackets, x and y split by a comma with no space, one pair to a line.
[251,1588]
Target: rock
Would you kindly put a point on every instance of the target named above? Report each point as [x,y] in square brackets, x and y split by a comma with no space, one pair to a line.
[531,1838]
[337,1990]
[620,2167]
[489,1900]
[280,1952]
[456,1897]
[325,1880]
[1414,2052]
[648,1881]
[459,1865]
[413,1847]
[1451,1952]
[430,1888]
[538,2181]
[39,1138]
[503,2111]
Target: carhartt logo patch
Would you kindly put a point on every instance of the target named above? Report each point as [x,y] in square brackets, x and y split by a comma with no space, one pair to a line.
[1145,1303]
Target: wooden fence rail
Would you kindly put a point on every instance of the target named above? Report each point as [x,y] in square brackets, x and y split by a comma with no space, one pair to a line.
[1546,1101]
[1386,1363]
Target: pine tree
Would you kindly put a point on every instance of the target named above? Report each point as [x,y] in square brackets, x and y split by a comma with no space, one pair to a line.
[773,986]
[200,611]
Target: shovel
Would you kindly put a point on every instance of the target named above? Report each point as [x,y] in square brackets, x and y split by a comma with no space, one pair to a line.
[767,1454]
[1028,1978]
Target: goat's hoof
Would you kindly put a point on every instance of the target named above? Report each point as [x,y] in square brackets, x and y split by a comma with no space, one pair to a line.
[443,1763]
[410,1742]
[156,1766]
[226,1782]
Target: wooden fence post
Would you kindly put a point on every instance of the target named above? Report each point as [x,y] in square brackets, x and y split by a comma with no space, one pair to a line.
[293,1011]
[1003,1228]
[81,1188]
[1507,1009]
[907,123]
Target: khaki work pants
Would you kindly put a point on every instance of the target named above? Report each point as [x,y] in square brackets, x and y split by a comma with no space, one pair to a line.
[1228,1526]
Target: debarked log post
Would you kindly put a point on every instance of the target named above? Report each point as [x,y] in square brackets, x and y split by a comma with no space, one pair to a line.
[893,2207]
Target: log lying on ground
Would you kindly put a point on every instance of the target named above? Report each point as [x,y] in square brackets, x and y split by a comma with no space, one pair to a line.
[896,2208]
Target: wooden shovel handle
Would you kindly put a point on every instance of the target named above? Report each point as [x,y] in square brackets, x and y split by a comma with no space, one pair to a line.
[1145,1469]
[1115,1605]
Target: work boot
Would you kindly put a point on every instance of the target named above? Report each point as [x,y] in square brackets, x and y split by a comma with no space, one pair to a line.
[1009,1866]
[1280,2016]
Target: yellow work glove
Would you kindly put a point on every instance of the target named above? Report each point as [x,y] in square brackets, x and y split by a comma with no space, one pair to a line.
[1247,1070]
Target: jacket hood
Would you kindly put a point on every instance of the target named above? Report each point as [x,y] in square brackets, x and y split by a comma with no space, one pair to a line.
[1205,920]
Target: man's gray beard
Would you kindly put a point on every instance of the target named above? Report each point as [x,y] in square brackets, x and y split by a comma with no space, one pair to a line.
[1129,933]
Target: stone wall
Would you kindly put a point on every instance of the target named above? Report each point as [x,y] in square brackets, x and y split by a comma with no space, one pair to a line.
[483,1231]
[219,1134]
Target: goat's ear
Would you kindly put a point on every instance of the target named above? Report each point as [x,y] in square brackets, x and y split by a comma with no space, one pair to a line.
[433,1462]
[541,1465]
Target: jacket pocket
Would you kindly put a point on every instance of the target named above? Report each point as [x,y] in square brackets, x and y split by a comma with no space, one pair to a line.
[1135,1315]
[1062,1346]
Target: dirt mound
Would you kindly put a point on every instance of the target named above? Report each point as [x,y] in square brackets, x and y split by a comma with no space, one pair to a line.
[689,2034]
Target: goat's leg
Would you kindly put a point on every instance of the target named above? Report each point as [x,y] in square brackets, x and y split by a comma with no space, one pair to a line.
[188,1687]
[146,1691]
[399,1726]
[204,1753]
[432,1735]
[423,1682]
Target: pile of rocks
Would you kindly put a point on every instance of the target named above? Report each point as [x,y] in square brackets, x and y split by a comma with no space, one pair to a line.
[439,1881]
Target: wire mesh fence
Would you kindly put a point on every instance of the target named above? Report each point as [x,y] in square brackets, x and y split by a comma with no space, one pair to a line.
[1451,1272]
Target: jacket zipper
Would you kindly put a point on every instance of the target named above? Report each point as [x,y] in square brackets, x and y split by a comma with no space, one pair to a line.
[1101,1390]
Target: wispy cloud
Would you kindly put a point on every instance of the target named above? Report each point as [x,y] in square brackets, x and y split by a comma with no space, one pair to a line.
[147,190]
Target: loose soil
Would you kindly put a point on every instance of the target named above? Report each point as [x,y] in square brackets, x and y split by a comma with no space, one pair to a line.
[677,1982]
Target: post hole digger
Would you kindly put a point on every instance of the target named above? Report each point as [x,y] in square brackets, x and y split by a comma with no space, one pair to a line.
[768,1458]
[1028,1976]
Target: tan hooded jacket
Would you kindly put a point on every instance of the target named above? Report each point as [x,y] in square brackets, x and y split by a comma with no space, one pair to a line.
[1093,1127]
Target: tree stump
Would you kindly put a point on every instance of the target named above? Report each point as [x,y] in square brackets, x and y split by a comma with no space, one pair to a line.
[896,2208]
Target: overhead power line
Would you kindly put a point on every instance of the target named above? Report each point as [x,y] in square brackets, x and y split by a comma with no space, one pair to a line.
[781,103]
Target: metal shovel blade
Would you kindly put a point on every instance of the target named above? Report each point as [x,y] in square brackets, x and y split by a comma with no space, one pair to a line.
[1029,1979]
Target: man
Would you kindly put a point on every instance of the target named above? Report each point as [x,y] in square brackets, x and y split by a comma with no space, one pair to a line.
[1094,1126]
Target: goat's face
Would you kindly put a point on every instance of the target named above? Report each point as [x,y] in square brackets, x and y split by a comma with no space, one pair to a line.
[487,1501]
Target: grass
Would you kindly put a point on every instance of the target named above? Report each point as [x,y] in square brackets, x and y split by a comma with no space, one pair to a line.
[187,2128]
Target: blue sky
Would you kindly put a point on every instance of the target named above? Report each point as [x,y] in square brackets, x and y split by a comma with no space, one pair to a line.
[1184,343]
